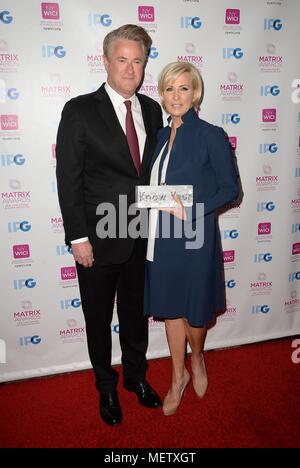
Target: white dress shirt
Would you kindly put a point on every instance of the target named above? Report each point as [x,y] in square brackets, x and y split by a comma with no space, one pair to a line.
[120,109]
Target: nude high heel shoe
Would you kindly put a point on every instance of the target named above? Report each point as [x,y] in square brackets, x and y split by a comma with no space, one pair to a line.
[200,381]
[171,404]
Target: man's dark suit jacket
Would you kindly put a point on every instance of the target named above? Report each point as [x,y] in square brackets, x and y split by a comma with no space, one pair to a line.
[94,166]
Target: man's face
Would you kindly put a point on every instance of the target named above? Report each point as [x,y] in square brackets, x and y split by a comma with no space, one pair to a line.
[125,66]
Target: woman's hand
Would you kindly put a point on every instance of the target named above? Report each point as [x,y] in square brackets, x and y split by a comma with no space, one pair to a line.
[178,211]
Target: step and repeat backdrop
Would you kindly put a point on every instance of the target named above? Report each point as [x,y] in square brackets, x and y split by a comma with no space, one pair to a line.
[248,54]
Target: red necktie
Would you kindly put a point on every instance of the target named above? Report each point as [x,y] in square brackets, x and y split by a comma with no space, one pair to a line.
[132,138]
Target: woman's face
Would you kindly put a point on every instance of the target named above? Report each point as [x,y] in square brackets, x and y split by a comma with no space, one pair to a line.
[179,95]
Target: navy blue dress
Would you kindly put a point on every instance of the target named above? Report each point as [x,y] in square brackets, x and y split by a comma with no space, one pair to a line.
[183,282]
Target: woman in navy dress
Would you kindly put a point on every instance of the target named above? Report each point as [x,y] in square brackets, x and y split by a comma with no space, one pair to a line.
[184,282]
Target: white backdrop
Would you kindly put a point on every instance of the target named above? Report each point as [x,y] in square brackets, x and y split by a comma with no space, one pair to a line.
[248,53]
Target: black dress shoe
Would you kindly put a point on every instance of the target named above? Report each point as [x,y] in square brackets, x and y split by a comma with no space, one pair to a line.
[146,395]
[110,410]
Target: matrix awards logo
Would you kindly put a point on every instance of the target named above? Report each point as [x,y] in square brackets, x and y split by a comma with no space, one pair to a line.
[232,21]
[268,181]
[270,61]
[231,90]
[94,59]
[230,313]
[9,127]
[55,89]
[27,315]
[68,277]
[230,211]
[295,203]
[73,333]
[16,198]
[21,255]
[292,304]
[264,232]
[298,146]
[191,56]
[269,119]
[57,225]
[150,87]
[9,61]
[51,17]
[261,286]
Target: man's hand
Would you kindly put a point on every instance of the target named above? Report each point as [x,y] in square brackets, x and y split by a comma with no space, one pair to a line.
[179,210]
[83,253]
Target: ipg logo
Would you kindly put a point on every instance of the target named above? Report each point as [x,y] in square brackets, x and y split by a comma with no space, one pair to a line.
[265,206]
[229,234]
[230,52]
[29,340]
[63,250]
[49,51]
[24,283]
[230,118]
[8,93]
[295,276]
[16,226]
[265,90]
[271,23]
[5,17]
[268,148]
[70,303]
[257,309]
[262,257]
[11,159]
[190,21]
[97,19]
[153,53]
[297,172]
[295,228]
[230,284]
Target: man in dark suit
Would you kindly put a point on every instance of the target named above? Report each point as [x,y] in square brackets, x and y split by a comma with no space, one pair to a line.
[104,146]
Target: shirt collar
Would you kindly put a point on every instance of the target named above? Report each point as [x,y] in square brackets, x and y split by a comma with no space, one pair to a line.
[117,99]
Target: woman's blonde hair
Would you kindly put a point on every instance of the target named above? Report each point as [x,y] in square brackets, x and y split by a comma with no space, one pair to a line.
[172,71]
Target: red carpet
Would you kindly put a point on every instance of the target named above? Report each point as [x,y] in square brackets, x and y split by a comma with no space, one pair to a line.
[253,400]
